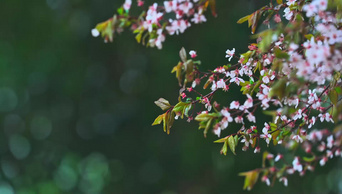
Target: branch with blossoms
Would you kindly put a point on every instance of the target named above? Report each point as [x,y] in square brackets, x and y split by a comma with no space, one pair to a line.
[293,72]
[152,26]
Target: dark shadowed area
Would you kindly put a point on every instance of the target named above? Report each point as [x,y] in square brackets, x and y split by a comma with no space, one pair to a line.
[76,113]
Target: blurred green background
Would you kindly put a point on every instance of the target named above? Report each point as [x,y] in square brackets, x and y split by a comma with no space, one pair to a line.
[76,113]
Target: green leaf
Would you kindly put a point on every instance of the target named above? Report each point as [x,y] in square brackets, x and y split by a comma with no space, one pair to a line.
[280,2]
[178,70]
[231,143]
[273,126]
[243,19]
[236,139]
[224,148]
[170,120]
[251,178]
[278,89]
[182,54]
[187,109]
[281,54]
[307,159]
[212,4]
[264,157]
[208,82]
[202,117]
[120,10]
[158,120]
[164,121]
[138,37]
[333,97]
[308,36]
[179,107]
[188,66]
[163,104]
[207,126]
[222,140]
[338,89]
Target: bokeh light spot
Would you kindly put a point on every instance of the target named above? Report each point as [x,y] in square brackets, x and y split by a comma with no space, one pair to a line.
[19,146]
[8,99]
[41,127]
[6,188]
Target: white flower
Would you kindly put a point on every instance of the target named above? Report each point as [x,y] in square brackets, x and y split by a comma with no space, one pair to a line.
[312,122]
[291,2]
[284,179]
[278,157]
[226,118]
[288,13]
[217,130]
[265,134]
[297,138]
[265,79]
[230,54]
[266,180]
[298,115]
[330,141]
[221,84]
[237,80]
[296,165]
[95,32]
[323,161]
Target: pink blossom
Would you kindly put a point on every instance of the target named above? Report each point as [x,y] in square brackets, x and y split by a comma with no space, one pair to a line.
[312,122]
[234,105]
[186,6]
[170,6]
[127,5]
[330,141]
[226,118]
[239,119]
[326,117]
[193,54]
[140,3]
[277,18]
[221,84]
[251,118]
[310,9]
[198,18]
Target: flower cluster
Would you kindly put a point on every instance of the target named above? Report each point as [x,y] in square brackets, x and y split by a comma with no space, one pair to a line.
[293,72]
[153,25]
